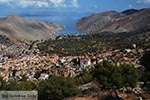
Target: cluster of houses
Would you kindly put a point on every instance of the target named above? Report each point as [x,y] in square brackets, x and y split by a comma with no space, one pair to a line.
[30,66]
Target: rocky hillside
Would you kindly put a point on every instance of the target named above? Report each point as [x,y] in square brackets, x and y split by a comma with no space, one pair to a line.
[18,28]
[112,21]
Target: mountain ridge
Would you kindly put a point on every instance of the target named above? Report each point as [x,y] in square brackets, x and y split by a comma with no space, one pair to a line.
[115,22]
[19,28]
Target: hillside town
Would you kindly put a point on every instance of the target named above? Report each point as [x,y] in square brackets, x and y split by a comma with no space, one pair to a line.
[20,61]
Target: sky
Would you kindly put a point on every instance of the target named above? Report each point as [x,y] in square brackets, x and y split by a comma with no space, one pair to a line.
[66,12]
[72,5]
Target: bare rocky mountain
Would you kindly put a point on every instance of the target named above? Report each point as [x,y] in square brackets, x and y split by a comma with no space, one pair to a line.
[114,22]
[19,28]
[98,21]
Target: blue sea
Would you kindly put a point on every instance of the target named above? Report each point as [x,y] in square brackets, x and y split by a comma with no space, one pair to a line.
[68,20]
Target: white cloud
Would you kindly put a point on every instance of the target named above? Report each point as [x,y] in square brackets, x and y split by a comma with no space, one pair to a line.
[143,1]
[41,3]
[27,3]
[5,1]
[57,3]
[74,3]
[8,3]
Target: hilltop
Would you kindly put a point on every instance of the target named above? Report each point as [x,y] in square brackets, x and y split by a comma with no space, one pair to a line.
[19,28]
[127,21]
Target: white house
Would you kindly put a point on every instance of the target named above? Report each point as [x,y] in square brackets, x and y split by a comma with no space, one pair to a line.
[1,66]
